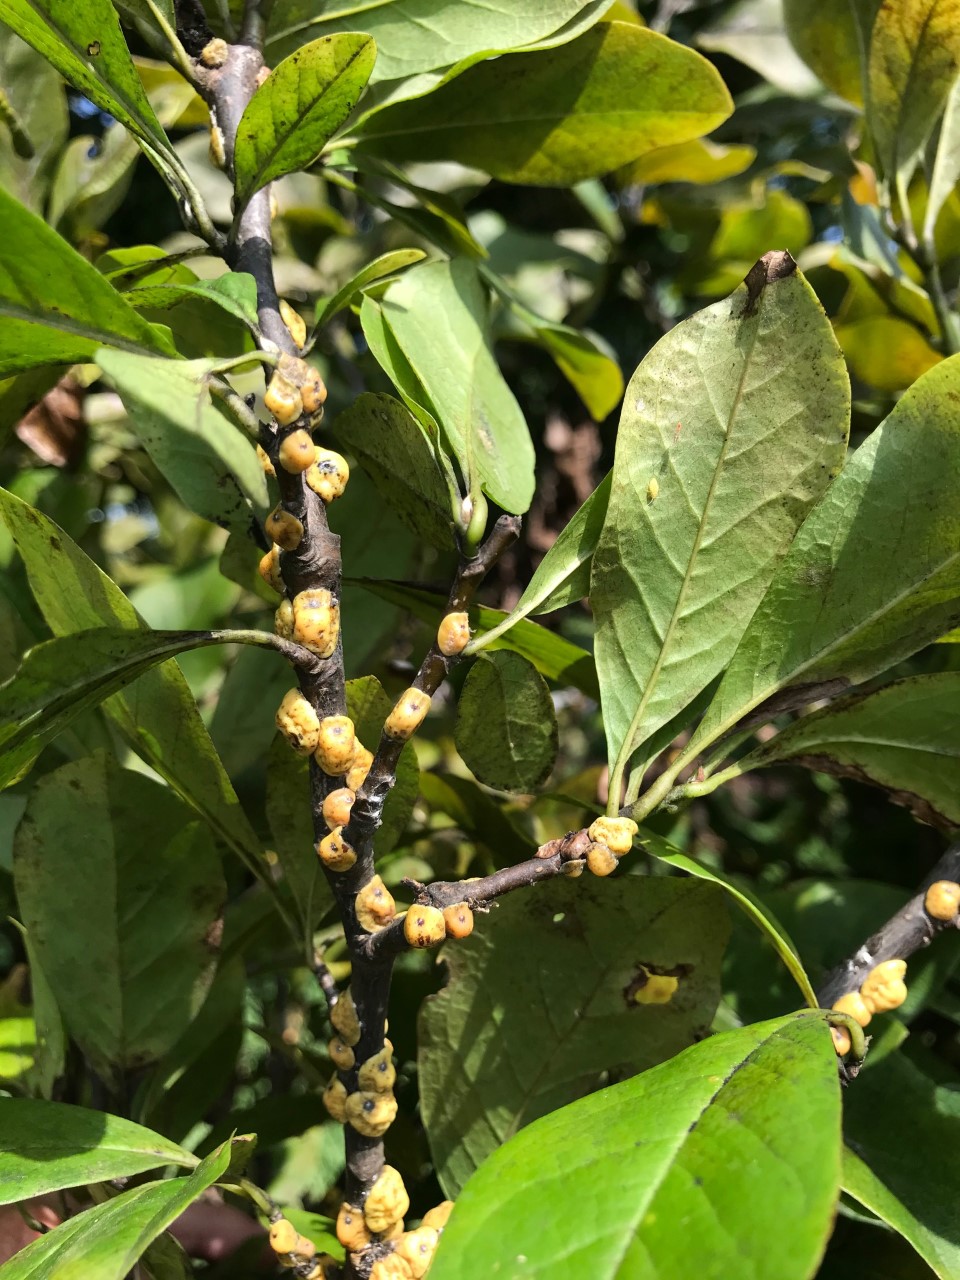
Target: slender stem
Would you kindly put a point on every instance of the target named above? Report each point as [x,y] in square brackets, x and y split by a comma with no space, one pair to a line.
[176,53]
[703,786]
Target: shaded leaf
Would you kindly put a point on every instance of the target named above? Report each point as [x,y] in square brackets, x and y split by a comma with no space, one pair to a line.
[902,737]
[61,678]
[827,38]
[874,573]
[731,429]
[289,810]
[202,453]
[946,165]
[158,716]
[387,264]
[104,1242]
[394,451]
[737,1139]
[298,108]
[913,61]
[886,352]
[507,729]
[438,313]
[555,117]
[54,306]
[504,1043]
[752,31]
[477,815]
[234,291]
[368,705]
[893,1124]
[37,94]
[699,161]
[48,1146]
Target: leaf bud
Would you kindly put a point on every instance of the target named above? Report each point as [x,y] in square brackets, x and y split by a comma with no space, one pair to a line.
[841,1040]
[458,920]
[374,905]
[283,1236]
[352,1231]
[283,620]
[270,569]
[854,1004]
[335,1100]
[297,451]
[884,989]
[600,860]
[329,475]
[343,1018]
[283,529]
[438,1215]
[616,833]
[424,926]
[337,807]
[341,1055]
[335,853]
[282,399]
[378,1074]
[387,1201]
[453,634]
[336,744]
[408,714]
[371,1114]
[359,768]
[942,900]
[316,621]
[417,1249]
[298,722]
[296,325]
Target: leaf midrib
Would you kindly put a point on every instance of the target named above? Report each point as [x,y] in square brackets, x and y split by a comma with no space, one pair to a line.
[628,747]
[67,324]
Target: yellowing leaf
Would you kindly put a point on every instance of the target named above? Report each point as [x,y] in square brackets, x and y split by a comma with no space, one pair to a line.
[699,161]
[886,352]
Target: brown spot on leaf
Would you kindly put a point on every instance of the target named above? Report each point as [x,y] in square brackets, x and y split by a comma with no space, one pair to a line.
[777,264]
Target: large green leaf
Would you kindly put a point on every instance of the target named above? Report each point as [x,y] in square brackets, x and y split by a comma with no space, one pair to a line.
[903,737]
[557,116]
[387,264]
[438,313]
[158,715]
[505,1042]
[48,1146]
[54,306]
[828,40]
[418,35]
[395,453]
[913,61]
[506,726]
[731,429]
[298,107]
[202,453]
[104,1242]
[121,894]
[903,1132]
[61,678]
[709,1165]
[873,575]
[554,657]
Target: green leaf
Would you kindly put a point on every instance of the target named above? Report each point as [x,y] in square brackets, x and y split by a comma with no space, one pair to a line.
[121,895]
[827,38]
[208,461]
[886,352]
[61,678]
[557,116]
[289,814]
[298,108]
[913,61]
[507,729]
[731,429]
[387,264]
[85,44]
[503,1043]
[104,1242]
[700,161]
[37,94]
[158,716]
[722,1157]
[893,1124]
[873,575]
[415,35]
[946,164]
[439,315]
[54,306]
[750,905]
[480,817]
[368,705]
[396,454]
[752,31]
[234,291]
[902,737]
[554,657]
[48,1146]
